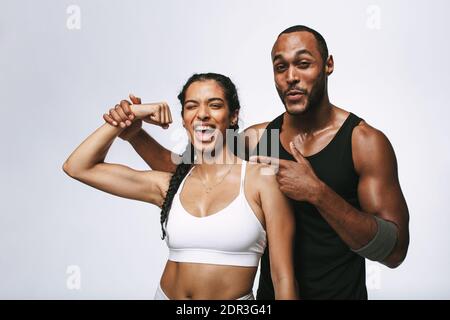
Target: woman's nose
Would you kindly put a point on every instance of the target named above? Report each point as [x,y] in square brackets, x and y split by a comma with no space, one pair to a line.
[203,113]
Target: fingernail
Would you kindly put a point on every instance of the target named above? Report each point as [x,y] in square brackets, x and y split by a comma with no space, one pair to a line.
[114,123]
[122,125]
[128,122]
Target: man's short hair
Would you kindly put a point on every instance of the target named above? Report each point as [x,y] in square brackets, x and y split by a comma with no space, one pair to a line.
[321,43]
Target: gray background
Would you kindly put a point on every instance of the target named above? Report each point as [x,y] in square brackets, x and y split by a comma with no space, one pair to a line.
[55,83]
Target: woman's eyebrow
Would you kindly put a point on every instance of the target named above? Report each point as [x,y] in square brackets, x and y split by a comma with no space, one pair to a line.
[213,99]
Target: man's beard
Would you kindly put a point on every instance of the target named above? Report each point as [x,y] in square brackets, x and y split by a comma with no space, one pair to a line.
[313,98]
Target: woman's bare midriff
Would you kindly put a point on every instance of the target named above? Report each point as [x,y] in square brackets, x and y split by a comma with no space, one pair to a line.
[181,280]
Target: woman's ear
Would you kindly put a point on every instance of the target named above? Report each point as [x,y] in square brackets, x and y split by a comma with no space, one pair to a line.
[234,117]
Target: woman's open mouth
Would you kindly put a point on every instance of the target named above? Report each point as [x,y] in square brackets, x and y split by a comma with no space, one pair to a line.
[204,133]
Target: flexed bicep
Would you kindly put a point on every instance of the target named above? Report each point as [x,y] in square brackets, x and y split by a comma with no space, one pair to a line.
[122,181]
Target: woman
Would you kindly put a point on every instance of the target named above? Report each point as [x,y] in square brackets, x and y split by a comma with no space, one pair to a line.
[216,218]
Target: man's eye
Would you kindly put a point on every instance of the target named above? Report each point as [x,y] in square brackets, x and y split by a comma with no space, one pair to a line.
[280,67]
[216,105]
[304,64]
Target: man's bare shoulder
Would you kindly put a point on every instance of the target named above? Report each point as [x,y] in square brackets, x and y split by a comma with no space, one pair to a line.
[257,126]
[366,135]
[252,134]
[370,146]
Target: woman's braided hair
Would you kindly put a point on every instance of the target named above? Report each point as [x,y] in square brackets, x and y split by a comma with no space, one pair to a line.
[187,158]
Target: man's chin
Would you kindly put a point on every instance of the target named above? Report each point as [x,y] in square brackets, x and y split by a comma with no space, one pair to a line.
[296,109]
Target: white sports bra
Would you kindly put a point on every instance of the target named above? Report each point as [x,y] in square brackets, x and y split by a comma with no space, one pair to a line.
[232,236]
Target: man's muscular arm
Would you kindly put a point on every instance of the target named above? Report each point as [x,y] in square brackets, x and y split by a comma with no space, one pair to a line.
[154,154]
[379,195]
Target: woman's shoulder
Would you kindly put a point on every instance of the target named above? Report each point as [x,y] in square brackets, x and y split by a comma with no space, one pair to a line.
[260,173]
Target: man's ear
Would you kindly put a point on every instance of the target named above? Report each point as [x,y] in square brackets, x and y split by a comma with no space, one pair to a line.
[329,65]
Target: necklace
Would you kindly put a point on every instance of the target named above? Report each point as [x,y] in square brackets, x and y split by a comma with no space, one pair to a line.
[208,189]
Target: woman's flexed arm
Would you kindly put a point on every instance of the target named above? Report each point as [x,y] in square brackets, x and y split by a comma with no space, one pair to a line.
[87,165]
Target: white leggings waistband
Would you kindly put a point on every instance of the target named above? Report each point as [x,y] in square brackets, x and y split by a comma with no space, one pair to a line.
[160,295]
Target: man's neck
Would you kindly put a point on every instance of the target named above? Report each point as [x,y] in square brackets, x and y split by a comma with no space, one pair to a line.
[316,119]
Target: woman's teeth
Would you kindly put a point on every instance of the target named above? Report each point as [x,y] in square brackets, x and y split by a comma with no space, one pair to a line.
[204,133]
[203,128]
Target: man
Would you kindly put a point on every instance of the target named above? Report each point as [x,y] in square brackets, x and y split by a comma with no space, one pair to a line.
[340,173]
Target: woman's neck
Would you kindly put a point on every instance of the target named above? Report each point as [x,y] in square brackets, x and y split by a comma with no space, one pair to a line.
[213,163]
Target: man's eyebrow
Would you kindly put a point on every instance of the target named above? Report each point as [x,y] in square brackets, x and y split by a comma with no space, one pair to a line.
[298,53]
[193,101]
[276,57]
[303,51]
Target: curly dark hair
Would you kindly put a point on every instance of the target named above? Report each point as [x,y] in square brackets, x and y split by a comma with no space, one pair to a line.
[187,158]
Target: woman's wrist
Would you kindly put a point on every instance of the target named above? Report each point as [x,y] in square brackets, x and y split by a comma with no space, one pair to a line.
[116,129]
[139,110]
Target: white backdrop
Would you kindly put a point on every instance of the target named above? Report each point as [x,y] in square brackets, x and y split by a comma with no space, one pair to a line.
[64,63]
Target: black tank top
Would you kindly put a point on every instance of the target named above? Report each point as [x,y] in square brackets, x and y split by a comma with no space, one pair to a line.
[325,267]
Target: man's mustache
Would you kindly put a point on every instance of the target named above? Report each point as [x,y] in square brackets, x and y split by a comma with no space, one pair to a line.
[295,90]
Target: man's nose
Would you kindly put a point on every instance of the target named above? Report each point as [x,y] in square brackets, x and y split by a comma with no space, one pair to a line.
[292,76]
